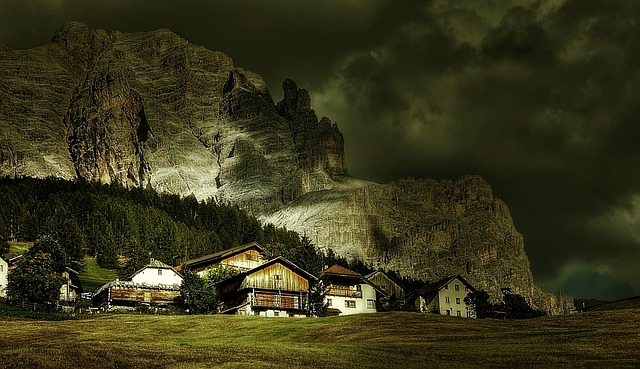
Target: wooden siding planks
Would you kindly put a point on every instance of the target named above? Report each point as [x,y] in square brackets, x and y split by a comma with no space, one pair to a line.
[276,277]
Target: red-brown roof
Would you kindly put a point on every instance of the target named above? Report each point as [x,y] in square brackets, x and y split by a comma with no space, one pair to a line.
[340,270]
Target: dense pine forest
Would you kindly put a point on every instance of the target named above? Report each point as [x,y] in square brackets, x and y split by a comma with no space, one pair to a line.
[123,227]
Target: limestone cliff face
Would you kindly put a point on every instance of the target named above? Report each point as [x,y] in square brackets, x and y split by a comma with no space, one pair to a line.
[151,109]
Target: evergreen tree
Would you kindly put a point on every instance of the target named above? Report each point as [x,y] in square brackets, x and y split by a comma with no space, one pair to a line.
[479,302]
[317,304]
[517,307]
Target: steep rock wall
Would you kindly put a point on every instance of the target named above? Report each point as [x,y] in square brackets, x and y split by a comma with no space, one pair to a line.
[151,109]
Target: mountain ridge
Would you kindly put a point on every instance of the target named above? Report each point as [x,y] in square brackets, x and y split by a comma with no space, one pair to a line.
[151,109]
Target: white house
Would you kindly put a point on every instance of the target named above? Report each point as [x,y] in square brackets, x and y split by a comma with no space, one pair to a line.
[348,292]
[156,273]
[446,297]
[4,280]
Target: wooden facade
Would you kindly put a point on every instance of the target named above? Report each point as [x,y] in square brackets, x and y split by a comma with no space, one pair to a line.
[387,284]
[242,258]
[273,288]
[127,294]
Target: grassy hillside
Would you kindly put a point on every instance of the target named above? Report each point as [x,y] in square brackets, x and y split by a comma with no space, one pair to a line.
[384,340]
[93,276]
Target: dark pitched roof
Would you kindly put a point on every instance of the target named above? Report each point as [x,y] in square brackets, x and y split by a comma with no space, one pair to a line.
[133,285]
[368,277]
[340,271]
[437,286]
[343,273]
[280,259]
[212,258]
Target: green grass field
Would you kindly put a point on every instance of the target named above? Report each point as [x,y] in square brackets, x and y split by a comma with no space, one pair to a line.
[93,276]
[385,340]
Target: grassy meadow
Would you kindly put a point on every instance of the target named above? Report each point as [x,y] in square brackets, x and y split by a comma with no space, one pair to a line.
[383,340]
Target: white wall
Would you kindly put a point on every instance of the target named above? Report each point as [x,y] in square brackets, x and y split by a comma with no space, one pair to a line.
[455,305]
[340,303]
[4,272]
[150,276]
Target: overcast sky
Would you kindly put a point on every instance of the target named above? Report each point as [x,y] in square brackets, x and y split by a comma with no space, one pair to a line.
[541,98]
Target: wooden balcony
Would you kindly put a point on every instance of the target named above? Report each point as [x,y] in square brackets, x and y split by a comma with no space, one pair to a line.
[267,300]
[343,291]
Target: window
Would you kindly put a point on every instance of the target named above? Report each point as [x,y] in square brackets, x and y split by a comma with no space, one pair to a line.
[350,304]
[329,302]
[1,268]
[276,313]
[446,299]
[358,287]
[448,312]
[277,276]
[159,271]
[458,313]
[466,289]
[458,300]
[371,304]
[446,287]
[468,314]
[457,287]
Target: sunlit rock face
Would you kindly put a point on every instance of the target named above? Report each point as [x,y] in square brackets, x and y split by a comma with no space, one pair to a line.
[151,109]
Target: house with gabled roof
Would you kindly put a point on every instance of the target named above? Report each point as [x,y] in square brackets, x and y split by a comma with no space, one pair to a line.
[4,276]
[348,292]
[241,258]
[276,288]
[71,289]
[388,284]
[155,284]
[446,297]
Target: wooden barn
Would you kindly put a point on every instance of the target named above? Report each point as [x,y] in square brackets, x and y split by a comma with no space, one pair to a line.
[126,295]
[275,288]
[241,258]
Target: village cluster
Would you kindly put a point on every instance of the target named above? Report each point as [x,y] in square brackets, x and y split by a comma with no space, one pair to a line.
[272,288]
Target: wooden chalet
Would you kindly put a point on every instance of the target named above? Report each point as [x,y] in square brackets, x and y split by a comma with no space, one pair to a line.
[156,284]
[71,290]
[446,297]
[275,288]
[241,258]
[348,292]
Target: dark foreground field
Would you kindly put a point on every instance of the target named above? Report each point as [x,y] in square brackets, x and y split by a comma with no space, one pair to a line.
[385,340]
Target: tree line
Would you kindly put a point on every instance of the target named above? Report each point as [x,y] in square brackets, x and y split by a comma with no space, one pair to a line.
[123,227]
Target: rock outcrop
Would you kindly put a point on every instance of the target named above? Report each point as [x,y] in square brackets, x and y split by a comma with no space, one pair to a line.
[151,109]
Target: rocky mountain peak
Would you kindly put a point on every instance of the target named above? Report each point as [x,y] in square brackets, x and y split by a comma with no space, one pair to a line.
[319,143]
[151,109]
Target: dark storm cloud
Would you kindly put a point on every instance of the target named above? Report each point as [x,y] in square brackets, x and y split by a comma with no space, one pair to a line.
[542,98]
[544,102]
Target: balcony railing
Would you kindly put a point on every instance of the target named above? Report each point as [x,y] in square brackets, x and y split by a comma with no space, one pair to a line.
[343,292]
[278,301]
